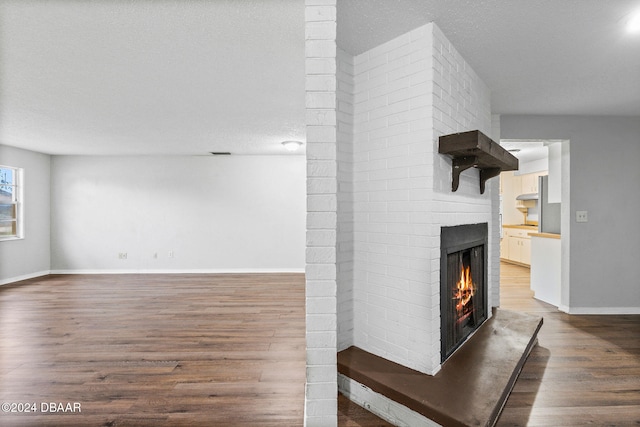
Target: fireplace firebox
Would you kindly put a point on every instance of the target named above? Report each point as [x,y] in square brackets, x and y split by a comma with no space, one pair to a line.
[463,284]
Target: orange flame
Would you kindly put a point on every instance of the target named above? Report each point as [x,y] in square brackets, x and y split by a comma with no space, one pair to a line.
[464,290]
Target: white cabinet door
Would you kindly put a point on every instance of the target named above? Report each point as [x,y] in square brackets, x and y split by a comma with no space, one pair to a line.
[530,182]
[525,251]
[514,249]
[516,246]
[504,247]
[528,185]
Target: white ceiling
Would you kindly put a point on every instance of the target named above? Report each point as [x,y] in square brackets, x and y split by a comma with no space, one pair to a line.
[154,76]
[536,56]
[194,76]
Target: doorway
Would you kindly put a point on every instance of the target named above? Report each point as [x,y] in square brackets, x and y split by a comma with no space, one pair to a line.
[535,199]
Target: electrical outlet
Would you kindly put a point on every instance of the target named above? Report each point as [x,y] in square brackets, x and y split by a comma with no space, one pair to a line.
[170,254]
[122,255]
[581,216]
[155,255]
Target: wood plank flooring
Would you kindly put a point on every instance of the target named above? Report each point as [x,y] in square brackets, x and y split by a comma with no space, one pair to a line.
[229,350]
[155,350]
[585,370]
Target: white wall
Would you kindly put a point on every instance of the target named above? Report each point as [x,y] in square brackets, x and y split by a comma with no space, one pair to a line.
[408,92]
[384,289]
[345,254]
[393,296]
[240,213]
[321,398]
[533,166]
[464,104]
[28,257]
[604,177]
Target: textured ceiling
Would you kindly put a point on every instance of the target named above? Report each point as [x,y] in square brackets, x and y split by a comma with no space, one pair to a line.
[160,77]
[194,76]
[537,56]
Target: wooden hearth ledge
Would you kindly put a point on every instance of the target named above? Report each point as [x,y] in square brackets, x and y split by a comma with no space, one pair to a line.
[473,384]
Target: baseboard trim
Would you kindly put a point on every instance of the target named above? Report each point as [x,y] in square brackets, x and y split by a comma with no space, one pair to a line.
[185,271]
[163,271]
[24,277]
[602,310]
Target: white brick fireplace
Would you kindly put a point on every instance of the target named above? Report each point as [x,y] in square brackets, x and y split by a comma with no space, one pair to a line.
[393,196]
[405,94]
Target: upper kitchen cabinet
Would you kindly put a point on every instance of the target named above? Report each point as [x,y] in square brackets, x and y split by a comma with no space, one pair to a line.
[516,184]
[521,184]
[513,186]
[529,182]
[532,163]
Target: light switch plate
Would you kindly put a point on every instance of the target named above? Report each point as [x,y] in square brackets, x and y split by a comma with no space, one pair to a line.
[581,216]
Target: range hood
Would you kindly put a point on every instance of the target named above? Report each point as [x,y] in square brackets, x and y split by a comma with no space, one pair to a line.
[475,149]
[528,196]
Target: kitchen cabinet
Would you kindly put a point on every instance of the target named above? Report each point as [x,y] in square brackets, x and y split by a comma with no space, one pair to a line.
[513,186]
[520,250]
[516,245]
[529,183]
[516,184]
[504,247]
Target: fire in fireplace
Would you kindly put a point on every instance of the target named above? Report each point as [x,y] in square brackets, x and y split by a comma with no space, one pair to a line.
[463,284]
[463,295]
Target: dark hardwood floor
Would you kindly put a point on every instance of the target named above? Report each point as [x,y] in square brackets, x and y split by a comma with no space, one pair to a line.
[584,371]
[154,350]
[228,350]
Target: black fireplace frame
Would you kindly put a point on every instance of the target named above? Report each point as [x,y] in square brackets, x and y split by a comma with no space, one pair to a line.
[454,239]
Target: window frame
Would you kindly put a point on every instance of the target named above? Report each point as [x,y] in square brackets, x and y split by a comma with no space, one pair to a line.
[17,202]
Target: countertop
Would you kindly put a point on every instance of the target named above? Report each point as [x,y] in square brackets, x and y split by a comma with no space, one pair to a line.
[545,235]
[521,227]
[533,229]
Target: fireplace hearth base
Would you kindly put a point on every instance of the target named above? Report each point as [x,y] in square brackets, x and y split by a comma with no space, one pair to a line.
[472,386]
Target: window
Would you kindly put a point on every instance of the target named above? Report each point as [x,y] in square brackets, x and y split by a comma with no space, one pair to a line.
[10,203]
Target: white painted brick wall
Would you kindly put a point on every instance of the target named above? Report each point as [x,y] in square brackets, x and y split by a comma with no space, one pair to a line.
[392,297]
[461,103]
[407,93]
[393,412]
[322,213]
[345,247]
[378,195]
